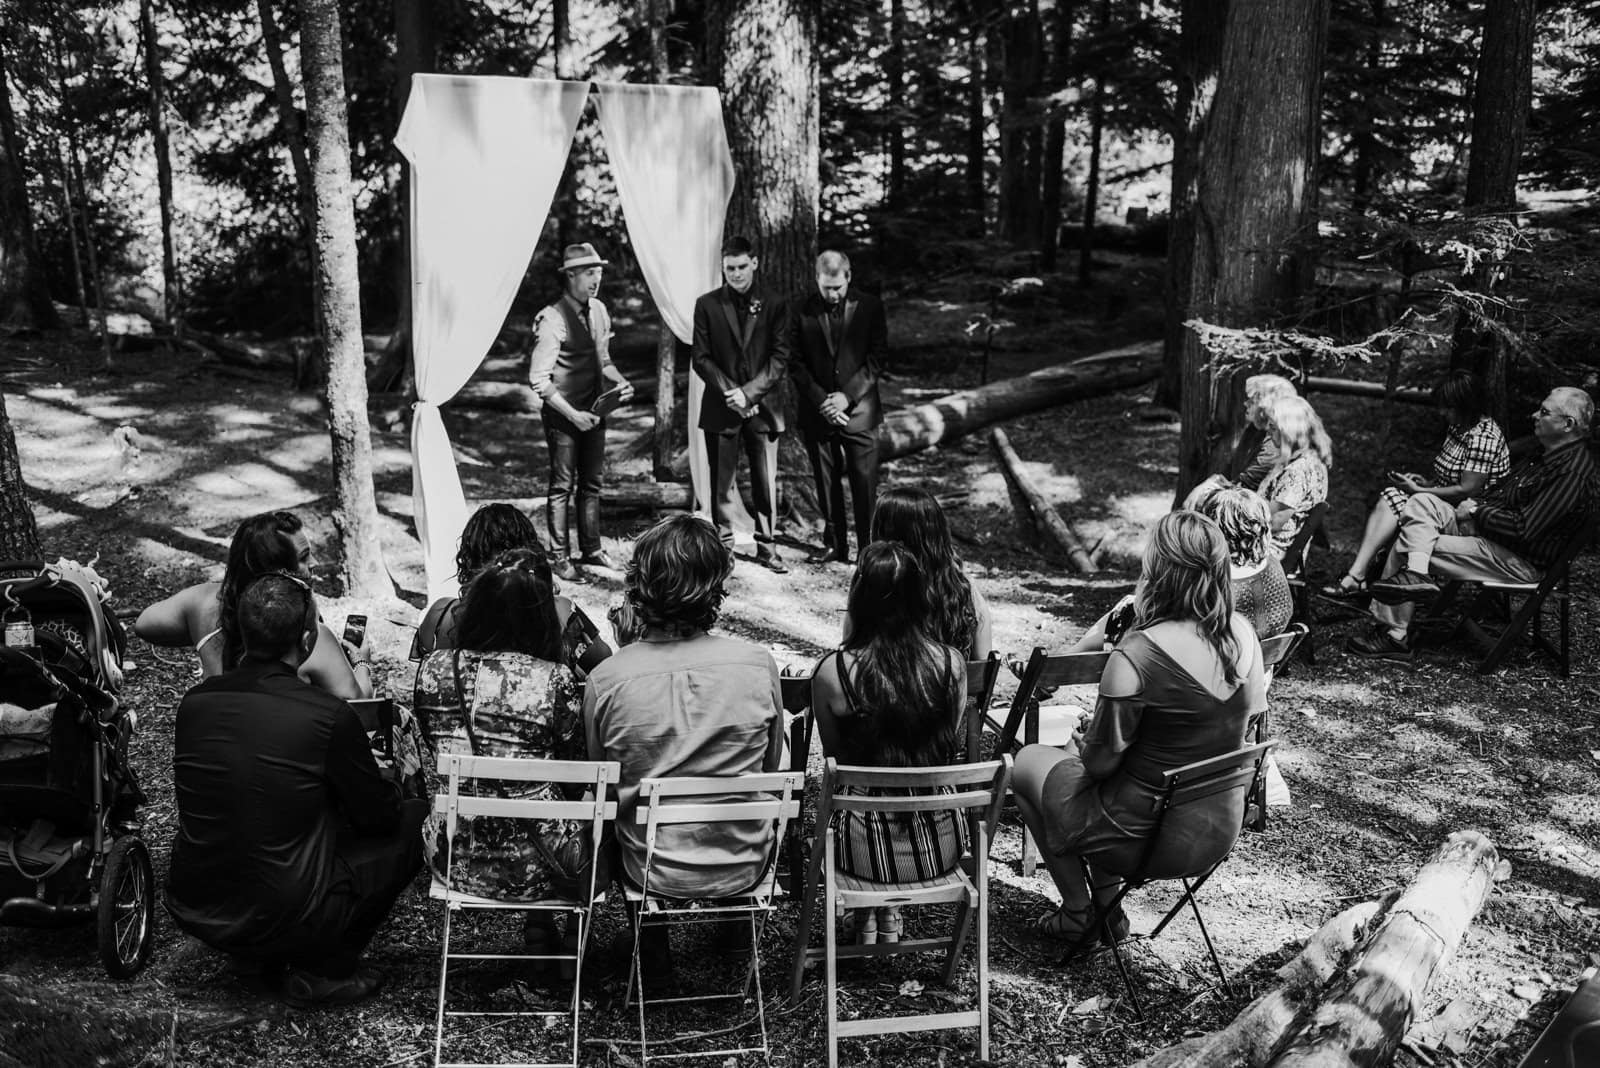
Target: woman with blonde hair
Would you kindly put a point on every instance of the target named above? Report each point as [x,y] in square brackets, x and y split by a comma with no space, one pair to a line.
[1255,455]
[1299,480]
[1180,687]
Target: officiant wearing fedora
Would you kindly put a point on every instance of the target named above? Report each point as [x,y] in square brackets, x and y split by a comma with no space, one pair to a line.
[570,369]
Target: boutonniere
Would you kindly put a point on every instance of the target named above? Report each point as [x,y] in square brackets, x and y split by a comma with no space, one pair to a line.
[755,306]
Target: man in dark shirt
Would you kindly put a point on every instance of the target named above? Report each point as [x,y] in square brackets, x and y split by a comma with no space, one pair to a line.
[292,845]
[1512,533]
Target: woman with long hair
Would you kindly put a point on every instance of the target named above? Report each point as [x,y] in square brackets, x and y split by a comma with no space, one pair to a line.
[1299,480]
[958,615]
[1474,457]
[1180,687]
[892,696]
[206,615]
[491,531]
[502,691]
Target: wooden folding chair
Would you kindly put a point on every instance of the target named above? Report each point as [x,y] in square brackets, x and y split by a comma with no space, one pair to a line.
[461,772]
[1555,585]
[982,675]
[850,789]
[1296,567]
[770,797]
[1205,782]
[797,703]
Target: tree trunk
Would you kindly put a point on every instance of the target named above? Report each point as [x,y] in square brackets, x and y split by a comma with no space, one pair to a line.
[19,536]
[977,121]
[78,192]
[1502,94]
[1044,512]
[1255,197]
[664,444]
[894,69]
[415,52]
[1199,54]
[1364,180]
[1024,61]
[356,515]
[1362,1020]
[172,295]
[1055,141]
[299,159]
[24,293]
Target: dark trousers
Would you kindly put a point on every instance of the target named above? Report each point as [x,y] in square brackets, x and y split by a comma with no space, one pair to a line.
[761,450]
[836,457]
[576,460]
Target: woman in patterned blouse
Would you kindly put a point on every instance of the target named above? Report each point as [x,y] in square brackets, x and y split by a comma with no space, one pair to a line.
[1473,459]
[1299,482]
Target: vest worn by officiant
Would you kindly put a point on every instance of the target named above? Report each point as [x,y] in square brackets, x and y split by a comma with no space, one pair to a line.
[576,375]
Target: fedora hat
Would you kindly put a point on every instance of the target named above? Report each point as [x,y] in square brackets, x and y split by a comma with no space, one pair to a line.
[576,257]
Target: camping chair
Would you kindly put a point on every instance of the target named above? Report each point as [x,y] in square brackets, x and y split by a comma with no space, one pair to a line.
[1045,671]
[1556,584]
[461,769]
[672,801]
[1275,654]
[1296,567]
[971,786]
[1205,782]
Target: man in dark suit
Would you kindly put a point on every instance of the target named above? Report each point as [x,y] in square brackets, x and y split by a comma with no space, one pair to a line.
[741,350]
[837,337]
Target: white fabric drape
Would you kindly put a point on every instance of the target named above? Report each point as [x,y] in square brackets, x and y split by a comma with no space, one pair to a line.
[669,152]
[486,154]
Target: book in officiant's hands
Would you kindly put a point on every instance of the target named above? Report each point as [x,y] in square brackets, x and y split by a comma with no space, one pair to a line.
[608,401]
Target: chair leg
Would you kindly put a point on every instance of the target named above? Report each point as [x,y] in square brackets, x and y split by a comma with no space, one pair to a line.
[581,918]
[958,941]
[808,907]
[1564,611]
[754,973]
[983,950]
[638,981]
[1216,962]
[444,975]
[1189,892]
[831,962]
[1508,637]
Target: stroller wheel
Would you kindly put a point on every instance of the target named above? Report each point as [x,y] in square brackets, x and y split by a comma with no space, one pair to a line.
[127,908]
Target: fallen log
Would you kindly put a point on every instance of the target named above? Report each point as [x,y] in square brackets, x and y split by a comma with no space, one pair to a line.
[1256,1035]
[1044,513]
[1364,1015]
[1376,390]
[923,426]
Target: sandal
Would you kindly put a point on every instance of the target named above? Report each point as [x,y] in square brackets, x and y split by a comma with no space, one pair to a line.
[1064,923]
[1339,591]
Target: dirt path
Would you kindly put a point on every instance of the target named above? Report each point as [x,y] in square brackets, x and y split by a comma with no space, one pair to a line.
[1384,760]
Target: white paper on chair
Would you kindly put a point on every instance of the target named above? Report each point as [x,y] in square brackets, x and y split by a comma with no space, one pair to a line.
[1058,722]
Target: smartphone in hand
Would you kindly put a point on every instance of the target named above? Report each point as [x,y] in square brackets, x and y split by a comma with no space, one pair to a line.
[355,629]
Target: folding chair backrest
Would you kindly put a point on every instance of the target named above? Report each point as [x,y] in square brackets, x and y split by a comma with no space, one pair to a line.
[796,692]
[1279,648]
[460,768]
[1294,557]
[1049,670]
[969,786]
[1205,785]
[981,678]
[769,796]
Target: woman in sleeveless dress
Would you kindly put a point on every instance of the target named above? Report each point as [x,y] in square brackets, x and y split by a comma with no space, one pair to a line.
[1180,687]
[891,697]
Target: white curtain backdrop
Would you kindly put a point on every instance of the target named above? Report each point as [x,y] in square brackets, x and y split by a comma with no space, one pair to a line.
[674,172]
[486,154]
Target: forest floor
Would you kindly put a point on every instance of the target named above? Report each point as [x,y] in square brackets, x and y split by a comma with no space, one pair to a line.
[1384,760]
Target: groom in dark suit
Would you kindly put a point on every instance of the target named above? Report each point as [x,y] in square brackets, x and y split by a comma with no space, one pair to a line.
[741,350]
[838,337]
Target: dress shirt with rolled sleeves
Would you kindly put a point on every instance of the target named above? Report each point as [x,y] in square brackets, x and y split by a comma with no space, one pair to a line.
[549,334]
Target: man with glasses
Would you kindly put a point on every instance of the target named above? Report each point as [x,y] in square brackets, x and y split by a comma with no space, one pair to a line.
[292,845]
[1512,532]
[571,370]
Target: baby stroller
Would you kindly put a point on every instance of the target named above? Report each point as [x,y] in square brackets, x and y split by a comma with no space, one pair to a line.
[69,844]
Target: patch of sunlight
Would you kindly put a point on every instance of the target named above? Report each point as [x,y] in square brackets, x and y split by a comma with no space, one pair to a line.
[1557,847]
[1351,692]
[1576,809]
[248,481]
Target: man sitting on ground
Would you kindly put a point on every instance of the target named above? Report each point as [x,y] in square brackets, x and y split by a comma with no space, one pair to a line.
[292,845]
[681,702]
[1511,534]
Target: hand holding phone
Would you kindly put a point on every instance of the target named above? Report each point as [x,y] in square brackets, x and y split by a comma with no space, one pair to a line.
[355,629]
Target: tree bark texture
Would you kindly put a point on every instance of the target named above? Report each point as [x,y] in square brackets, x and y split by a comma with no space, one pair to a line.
[1021,83]
[977,119]
[1097,126]
[24,294]
[19,535]
[894,69]
[1254,199]
[78,192]
[294,136]
[1361,1021]
[1502,94]
[415,52]
[1055,140]
[322,67]
[1201,24]
[172,295]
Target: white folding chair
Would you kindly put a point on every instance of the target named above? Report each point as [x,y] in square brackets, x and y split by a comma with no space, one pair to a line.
[770,797]
[462,771]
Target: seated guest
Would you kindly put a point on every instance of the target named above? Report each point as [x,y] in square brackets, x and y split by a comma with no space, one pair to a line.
[892,696]
[1298,481]
[205,616]
[680,701]
[958,615]
[1179,688]
[502,692]
[291,845]
[1473,459]
[1255,455]
[492,530]
[1512,532]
